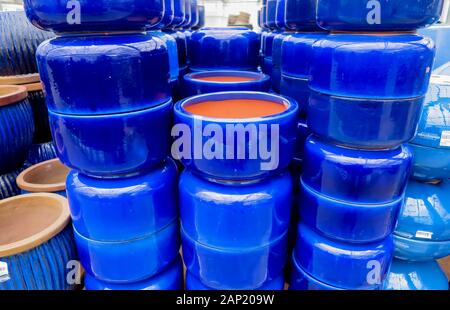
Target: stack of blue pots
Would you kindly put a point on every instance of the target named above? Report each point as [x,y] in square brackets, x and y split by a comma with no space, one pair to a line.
[367,92]
[110,109]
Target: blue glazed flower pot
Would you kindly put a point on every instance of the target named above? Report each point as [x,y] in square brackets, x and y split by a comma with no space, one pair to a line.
[359,176]
[41,152]
[201,17]
[225,269]
[172,50]
[104,74]
[8,185]
[194,14]
[229,48]
[170,279]
[16,127]
[297,89]
[267,66]
[268,43]
[379,15]
[178,14]
[198,83]
[187,13]
[230,167]
[264,16]
[129,261]
[430,164]
[301,15]
[235,216]
[406,276]
[180,38]
[271,13]
[136,207]
[280,20]
[94,16]
[168,15]
[113,145]
[352,222]
[303,133]
[423,229]
[36,243]
[195,284]
[366,265]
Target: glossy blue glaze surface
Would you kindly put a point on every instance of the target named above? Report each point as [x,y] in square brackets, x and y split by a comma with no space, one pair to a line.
[303,133]
[360,176]
[169,279]
[420,250]
[364,123]
[94,16]
[103,74]
[44,267]
[271,13]
[224,268]
[297,89]
[8,185]
[180,37]
[267,45]
[42,132]
[195,284]
[277,60]
[380,15]
[300,15]
[439,33]
[264,16]
[172,50]
[280,13]
[231,48]
[168,15]
[430,164]
[232,169]
[407,276]
[194,14]
[386,66]
[352,222]
[366,265]
[129,261]
[194,86]
[187,14]
[41,152]
[179,11]
[223,214]
[136,206]
[201,17]
[267,66]
[113,145]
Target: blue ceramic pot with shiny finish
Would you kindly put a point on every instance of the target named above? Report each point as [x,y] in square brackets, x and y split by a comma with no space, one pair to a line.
[264,16]
[301,15]
[168,15]
[198,83]
[170,279]
[41,152]
[136,206]
[280,20]
[430,164]
[271,13]
[8,185]
[231,167]
[228,48]
[129,261]
[195,284]
[406,276]
[296,88]
[180,37]
[113,145]
[268,43]
[178,13]
[172,50]
[303,133]
[104,74]
[277,60]
[201,17]
[267,66]
[423,229]
[366,265]
[187,14]
[378,15]
[94,16]
[194,14]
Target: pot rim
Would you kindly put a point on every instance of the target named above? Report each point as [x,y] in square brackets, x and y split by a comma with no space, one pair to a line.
[20,79]
[258,77]
[42,188]
[14,94]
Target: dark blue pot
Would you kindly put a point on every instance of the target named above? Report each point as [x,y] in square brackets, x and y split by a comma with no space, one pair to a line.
[16,127]
[236,217]
[379,15]
[170,279]
[42,132]
[301,15]
[423,228]
[280,20]
[8,185]
[168,16]
[104,74]
[406,276]
[268,43]
[180,37]
[188,35]
[430,164]
[129,261]
[18,43]
[366,265]
[277,60]
[195,284]
[226,269]
[187,13]
[267,66]
[94,16]
[352,222]
[194,14]
[201,17]
[229,48]
[193,85]
[178,14]
[364,123]
[239,169]
[172,50]
[136,207]
[264,16]
[386,66]
[271,13]
[113,145]
[41,152]
[297,89]
[303,133]
[359,176]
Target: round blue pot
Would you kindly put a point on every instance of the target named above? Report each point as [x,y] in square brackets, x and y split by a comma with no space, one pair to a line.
[178,13]
[16,127]
[430,164]
[268,43]
[123,209]
[264,16]
[235,216]
[195,284]
[280,21]
[353,222]
[39,260]
[267,66]
[113,145]
[359,176]
[129,261]
[235,168]
[303,133]
[193,85]
[407,276]
[296,88]
[93,16]
[380,15]
[423,229]
[42,132]
[301,15]
[104,74]
[277,60]
[8,185]
[187,14]
[229,48]
[226,269]
[271,13]
[182,48]
[170,279]
[366,265]
[41,152]
[194,14]
[168,15]
[172,50]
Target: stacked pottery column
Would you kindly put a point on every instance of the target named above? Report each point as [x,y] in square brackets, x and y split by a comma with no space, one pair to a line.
[367,92]
[110,109]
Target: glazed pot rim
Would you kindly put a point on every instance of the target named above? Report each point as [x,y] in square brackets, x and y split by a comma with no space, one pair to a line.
[290,104]
[20,79]
[14,94]
[41,188]
[373,99]
[259,77]
[422,241]
[234,28]
[44,235]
